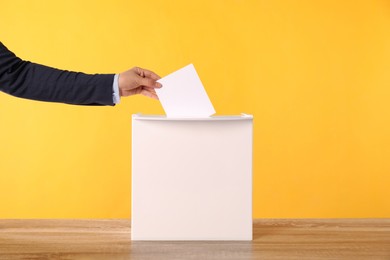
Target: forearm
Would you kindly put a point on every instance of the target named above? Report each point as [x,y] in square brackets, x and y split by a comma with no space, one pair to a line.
[33,81]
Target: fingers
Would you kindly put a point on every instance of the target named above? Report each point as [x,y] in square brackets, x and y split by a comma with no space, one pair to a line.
[138,81]
[147,73]
[146,91]
[148,78]
[149,82]
[150,94]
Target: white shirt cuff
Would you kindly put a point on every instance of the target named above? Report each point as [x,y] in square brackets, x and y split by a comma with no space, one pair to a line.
[115,87]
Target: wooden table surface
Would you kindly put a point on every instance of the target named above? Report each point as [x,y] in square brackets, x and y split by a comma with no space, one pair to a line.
[273,239]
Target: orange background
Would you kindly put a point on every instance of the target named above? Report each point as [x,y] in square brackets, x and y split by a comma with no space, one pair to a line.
[315,75]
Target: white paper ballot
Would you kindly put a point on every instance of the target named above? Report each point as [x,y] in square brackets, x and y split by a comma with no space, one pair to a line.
[183,94]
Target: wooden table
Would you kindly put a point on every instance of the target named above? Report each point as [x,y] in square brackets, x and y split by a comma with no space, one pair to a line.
[273,239]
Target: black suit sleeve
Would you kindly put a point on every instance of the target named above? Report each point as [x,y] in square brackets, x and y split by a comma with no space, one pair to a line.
[33,81]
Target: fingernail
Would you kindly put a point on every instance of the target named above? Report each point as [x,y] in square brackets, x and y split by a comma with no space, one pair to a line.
[158,85]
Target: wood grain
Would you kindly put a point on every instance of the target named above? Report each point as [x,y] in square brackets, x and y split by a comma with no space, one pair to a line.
[273,239]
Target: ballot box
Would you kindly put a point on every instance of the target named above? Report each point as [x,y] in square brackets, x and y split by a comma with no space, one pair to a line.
[191,178]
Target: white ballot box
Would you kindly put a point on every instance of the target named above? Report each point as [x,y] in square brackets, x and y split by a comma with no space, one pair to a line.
[191,178]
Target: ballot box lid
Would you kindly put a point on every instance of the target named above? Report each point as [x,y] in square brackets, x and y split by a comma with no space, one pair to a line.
[243,116]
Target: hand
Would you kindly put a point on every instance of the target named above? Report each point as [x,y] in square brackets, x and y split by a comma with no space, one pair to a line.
[138,81]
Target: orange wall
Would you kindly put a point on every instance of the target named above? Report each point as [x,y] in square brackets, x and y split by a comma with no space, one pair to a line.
[315,75]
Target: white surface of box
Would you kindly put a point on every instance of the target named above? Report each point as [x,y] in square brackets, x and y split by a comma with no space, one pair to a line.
[192,178]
